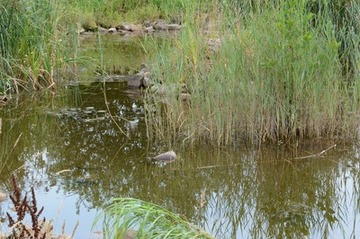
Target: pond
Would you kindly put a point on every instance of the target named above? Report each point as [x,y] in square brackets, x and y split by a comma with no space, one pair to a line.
[87,144]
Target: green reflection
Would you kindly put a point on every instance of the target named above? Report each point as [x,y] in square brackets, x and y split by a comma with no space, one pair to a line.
[113,54]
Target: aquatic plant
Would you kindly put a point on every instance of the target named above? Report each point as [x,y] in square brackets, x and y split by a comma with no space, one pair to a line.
[39,228]
[274,77]
[125,215]
[26,208]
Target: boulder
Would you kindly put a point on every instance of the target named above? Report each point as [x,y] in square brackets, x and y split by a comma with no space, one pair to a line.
[173,27]
[146,81]
[141,79]
[147,24]
[166,157]
[112,30]
[102,30]
[135,81]
[130,28]
[160,24]
[149,29]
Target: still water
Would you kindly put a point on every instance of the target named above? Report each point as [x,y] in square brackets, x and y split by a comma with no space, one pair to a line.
[87,144]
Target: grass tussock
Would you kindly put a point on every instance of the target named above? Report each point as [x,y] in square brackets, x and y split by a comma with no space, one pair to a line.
[30,44]
[285,71]
[140,219]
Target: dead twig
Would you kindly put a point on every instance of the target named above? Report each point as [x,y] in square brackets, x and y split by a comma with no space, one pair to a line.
[318,154]
[111,116]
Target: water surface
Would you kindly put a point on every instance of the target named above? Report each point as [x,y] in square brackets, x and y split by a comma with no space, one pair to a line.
[87,144]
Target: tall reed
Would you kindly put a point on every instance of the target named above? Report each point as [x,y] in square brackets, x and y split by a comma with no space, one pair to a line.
[30,43]
[276,77]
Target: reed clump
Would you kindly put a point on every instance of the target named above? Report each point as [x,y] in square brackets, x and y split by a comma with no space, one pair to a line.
[276,74]
[31,44]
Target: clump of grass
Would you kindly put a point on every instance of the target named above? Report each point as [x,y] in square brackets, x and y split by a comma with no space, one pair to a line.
[149,220]
[276,77]
[30,44]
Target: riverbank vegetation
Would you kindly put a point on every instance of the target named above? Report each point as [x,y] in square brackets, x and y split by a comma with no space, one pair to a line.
[253,71]
[271,71]
[239,72]
[31,44]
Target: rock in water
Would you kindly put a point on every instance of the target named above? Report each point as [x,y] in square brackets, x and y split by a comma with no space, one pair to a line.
[169,156]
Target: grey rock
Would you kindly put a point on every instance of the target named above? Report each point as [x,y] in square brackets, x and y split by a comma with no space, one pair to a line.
[173,27]
[169,156]
[129,28]
[102,30]
[159,24]
[149,29]
[162,25]
[124,27]
[146,81]
[112,30]
[147,23]
[135,81]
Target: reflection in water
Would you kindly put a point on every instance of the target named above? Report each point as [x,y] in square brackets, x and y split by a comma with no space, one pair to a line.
[69,148]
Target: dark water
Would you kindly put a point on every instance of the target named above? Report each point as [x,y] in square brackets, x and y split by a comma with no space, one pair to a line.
[69,148]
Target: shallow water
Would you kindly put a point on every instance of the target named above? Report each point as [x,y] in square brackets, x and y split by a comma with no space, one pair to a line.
[69,148]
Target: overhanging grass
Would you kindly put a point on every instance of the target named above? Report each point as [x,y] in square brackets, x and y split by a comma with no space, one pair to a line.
[149,221]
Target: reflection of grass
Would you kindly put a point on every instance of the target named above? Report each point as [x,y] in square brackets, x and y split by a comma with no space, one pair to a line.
[121,56]
[150,221]
[6,151]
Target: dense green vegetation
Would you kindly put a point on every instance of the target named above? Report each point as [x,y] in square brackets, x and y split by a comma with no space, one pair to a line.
[112,13]
[31,44]
[279,70]
[285,70]
[255,71]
